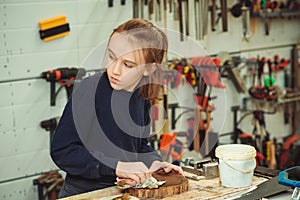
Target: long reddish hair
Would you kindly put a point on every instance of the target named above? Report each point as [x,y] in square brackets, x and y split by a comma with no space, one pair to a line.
[156,45]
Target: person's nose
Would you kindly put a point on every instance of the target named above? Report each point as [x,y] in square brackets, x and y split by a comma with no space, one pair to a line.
[117,70]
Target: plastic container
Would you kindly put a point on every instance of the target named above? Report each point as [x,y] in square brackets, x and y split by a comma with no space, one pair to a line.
[236,164]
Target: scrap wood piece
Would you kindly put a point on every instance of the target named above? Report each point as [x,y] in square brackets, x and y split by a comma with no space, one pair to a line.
[175,184]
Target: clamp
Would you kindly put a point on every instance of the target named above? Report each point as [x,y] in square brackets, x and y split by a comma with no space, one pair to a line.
[205,167]
[291,177]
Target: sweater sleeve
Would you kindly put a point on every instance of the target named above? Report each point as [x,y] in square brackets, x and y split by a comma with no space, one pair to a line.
[147,153]
[70,155]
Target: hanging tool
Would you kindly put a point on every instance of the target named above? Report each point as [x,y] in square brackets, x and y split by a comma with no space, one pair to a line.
[267,11]
[135,8]
[197,20]
[176,10]
[258,91]
[270,82]
[110,3]
[157,10]
[210,77]
[183,15]
[224,15]
[201,18]
[142,9]
[186,14]
[50,125]
[180,20]
[138,8]
[208,125]
[236,9]
[291,177]
[205,16]
[233,73]
[254,19]
[295,72]
[286,113]
[209,70]
[171,146]
[201,100]
[246,22]
[213,13]
[165,13]
[165,105]
[150,9]
[49,185]
[64,76]
[287,157]
[170,2]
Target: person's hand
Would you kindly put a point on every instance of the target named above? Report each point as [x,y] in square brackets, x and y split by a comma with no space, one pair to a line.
[136,171]
[167,167]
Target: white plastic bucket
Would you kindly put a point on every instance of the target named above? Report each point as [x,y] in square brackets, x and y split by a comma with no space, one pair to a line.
[236,164]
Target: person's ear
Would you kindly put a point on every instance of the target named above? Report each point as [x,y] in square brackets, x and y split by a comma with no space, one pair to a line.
[150,69]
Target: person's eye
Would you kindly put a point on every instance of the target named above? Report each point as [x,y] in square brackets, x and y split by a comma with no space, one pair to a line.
[128,65]
[111,56]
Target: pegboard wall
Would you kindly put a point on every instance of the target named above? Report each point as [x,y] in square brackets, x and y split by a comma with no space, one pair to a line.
[24,56]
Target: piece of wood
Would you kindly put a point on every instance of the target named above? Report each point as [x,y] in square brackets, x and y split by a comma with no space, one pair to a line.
[175,184]
[203,189]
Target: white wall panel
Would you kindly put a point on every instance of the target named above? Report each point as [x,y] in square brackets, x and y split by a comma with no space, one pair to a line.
[21,108]
[20,93]
[31,115]
[97,11]
[29,14]
[282,32]
[32,65]
[224,41]
[6,95]
[93,34]
[2,47]
[26,41]
[7,121]
[231,99]
[25,164]
[3,15]
[19,190]
[24,140]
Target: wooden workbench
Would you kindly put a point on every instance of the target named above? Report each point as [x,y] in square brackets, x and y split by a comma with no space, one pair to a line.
[202,189]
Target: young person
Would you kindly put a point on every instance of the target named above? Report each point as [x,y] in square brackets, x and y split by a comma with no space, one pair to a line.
[103,131]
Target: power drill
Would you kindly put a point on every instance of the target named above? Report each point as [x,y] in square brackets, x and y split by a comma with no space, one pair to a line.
[64,76]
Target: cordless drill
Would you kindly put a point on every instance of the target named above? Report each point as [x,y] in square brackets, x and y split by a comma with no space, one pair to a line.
[64,76]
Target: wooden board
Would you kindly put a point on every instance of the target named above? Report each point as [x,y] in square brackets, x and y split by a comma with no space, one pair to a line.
[175,184]
[203,189]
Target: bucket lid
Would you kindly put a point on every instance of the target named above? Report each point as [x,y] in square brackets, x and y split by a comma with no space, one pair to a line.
[235,152]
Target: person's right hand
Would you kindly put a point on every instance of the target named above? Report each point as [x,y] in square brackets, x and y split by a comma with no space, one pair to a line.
[137,171]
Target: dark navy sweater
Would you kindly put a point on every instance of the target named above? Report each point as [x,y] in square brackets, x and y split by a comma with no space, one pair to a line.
[99,127]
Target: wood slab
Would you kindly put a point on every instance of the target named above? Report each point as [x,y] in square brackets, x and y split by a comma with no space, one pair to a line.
[203,189]
[175,184]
